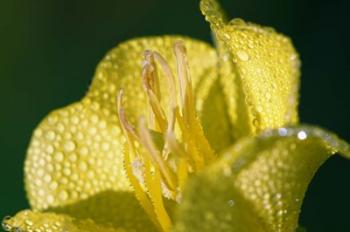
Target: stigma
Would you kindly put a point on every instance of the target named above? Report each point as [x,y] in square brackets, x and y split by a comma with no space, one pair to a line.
[168,144]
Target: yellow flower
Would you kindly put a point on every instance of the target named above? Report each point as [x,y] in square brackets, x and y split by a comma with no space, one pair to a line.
[209,141]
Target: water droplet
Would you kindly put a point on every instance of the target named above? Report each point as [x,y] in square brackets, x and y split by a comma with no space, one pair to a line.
[47,178]
[278,195]
[94,118]
[59,156]
[5,224]
[49,149]
[225,57]
[209,215]
[83,166]
[50,199]
[242,55]
[53,185]
[38,132]
[231,203]
[83,151]
[282,131]
[75,119]
[69,146]
[50,135]
[63,195]
[280,212]
[28,222]
[302,135]
[237,21]
[73,157]
[67,172]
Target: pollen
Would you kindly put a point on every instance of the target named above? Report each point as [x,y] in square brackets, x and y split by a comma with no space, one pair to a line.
[168,144]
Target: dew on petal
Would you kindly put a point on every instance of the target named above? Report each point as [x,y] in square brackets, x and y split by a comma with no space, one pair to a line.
[302,135]
[69,146]
[242,55]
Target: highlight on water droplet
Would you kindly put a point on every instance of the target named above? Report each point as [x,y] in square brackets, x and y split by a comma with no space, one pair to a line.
[302,135]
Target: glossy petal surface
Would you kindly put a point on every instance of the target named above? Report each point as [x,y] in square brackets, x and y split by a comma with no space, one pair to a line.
[259,72]
[259,184]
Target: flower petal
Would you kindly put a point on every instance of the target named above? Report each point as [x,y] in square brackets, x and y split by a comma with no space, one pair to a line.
[117,212]
[259,184]
[76,152]
[259,71]
[110,211]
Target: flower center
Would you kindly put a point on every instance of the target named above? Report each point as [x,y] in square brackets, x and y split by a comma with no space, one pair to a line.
[170,145]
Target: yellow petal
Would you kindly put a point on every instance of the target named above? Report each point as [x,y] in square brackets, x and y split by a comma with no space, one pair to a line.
[76,151]
[109,211]
[259,71]
[259,184]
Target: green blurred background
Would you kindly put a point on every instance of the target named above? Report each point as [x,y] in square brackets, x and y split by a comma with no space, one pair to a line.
[49,49]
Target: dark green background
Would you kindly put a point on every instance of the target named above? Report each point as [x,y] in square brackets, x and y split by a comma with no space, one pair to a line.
[49,49]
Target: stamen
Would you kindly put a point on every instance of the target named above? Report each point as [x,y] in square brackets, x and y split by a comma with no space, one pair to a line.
[181,70]
[151,86]
[189,113]
[163,169]
[171,80]
[155,156]
[153,182]
[131,136]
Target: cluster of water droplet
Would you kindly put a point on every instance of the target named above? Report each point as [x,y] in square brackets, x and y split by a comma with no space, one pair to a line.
[264,67]
[260,182]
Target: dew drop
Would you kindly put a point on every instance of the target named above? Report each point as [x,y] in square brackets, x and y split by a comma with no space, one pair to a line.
[50,149]
[278,195]
[237,21]
[69,146]
[73,157]
[67,172]
[83,151]
[209,215]
[282,131]
[28,222]
[59,156]
[83,166]
[302,135]
[50,199]
[47,178]
[53,185]
[50,135]
[5,224]
[242,55]
[231,203]
[94,119]
[38,132]
[63,195]
[75,119]
[280,212]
